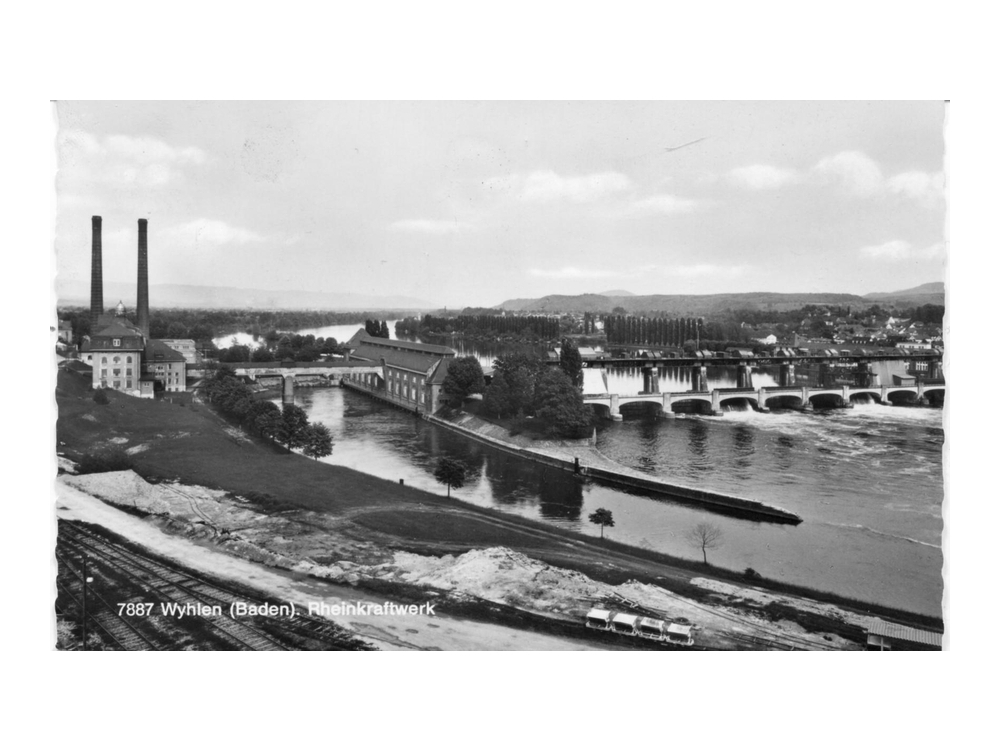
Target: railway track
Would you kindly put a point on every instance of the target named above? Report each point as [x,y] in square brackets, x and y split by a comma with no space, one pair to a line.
[138,579]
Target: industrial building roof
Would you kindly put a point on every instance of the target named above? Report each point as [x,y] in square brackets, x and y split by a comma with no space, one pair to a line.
[440,372]
[361,338]
[413,361]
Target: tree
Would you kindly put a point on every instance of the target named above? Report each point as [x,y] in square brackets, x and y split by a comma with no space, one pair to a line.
[262,354]
[520,372]
[465,377]
[264,418]
[318,442]
[383,331]
[292,428]
[571,363]
[496,399]
[559,404]
[235,353]
[177,330]
[450,473]
[704,536]
[604,517]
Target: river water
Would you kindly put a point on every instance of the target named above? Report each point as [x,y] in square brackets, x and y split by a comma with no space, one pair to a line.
[341,332]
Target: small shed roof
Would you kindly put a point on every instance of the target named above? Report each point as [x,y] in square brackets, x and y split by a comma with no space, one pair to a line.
[903,632]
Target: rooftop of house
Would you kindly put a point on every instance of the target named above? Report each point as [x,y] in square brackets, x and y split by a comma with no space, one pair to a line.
[157,351]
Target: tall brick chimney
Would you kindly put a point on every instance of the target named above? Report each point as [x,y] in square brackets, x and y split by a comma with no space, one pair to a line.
[96,276]
[142,290]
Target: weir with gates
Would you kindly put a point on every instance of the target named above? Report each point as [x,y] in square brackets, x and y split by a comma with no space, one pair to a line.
[787,394]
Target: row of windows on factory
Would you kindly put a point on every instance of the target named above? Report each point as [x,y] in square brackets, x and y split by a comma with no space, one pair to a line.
[406,386]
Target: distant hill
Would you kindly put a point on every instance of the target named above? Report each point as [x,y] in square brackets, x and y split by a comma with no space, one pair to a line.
[706,304]
[188,295]
[617,293]
[925,294]
[678,304]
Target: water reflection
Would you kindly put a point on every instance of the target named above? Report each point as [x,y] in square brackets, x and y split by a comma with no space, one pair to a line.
[697,438]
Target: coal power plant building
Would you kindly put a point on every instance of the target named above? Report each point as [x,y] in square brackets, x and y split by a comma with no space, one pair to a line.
[120,351]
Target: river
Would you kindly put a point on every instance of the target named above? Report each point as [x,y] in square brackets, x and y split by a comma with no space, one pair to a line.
[341,332]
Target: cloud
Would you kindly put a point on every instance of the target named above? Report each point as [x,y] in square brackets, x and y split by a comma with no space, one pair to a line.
[122,160]
[546,185]
[861,175]
[211,232]
[897,250]
[853,170]
[662,203]
[430,226]
[762,177]
[921,186]
[571,272]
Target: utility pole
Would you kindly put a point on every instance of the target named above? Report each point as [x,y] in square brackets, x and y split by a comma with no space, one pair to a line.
[84,618]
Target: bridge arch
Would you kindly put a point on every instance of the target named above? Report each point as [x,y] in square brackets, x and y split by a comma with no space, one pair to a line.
[784,401]
[903,397]
[691,406]
[864,397]
[639,408]
[739,403]
[935,396]
[600,408]
[828,400]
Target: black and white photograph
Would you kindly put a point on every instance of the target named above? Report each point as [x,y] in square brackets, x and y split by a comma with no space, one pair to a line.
[489,375]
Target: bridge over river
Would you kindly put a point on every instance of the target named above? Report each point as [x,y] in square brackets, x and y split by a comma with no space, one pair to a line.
[922,392]
[288,373]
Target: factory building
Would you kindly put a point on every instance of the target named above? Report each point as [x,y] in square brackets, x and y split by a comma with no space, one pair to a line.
[121,354]
[412,374]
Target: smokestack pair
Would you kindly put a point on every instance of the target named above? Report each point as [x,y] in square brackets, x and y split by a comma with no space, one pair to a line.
[97,278]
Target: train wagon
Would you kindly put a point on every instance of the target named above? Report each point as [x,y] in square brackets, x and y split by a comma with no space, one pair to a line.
[634,626]
[599,619]
[654,630]
[679,634]
[625,624]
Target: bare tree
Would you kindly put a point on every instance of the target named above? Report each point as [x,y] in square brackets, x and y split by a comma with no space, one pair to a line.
[704,536]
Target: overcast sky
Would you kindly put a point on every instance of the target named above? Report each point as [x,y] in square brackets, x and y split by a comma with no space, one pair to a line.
[473,203]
